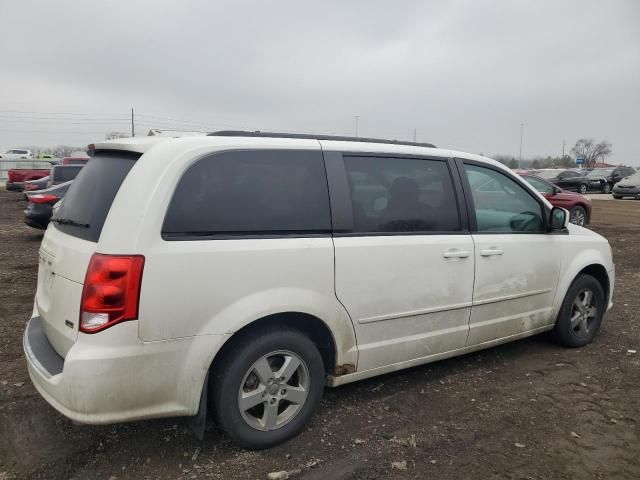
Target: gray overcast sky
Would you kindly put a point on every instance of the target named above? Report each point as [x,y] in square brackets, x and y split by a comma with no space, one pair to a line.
[465,74]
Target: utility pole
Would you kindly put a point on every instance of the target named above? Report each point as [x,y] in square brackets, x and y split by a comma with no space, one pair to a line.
[563,144]
[357,117]
[520,157]
[133,131]
[414,135]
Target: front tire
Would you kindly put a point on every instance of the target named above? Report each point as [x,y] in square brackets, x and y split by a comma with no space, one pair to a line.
[266,387]
[606,188]
[581,313]
[582,189]
[578,216]
[617,197]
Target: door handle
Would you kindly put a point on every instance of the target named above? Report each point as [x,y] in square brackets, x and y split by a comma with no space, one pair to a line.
[490,252]
[455,253]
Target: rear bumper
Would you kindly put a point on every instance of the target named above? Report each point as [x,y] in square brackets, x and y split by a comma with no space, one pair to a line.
[14,186]
[113,377]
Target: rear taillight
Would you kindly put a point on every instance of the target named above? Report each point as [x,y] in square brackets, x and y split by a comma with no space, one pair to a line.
[111,291]
[43,198]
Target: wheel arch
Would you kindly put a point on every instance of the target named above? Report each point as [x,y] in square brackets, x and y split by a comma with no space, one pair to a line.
[598,271]
[316,329]
[593,268]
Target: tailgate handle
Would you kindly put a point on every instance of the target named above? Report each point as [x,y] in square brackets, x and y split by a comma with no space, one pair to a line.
[490,252]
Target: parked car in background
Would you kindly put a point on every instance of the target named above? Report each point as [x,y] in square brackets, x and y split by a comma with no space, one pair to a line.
[40,205]
[74,160]
[573,180]
[63,173]
[16,154]
[569,179]
[578,205]
[39,184]
[244,271]
[628,187]
[603,179]
[17,177]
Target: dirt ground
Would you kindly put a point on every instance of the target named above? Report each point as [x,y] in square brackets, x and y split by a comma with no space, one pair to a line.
[526,410]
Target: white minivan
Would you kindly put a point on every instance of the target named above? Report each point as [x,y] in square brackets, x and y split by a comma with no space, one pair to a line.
[241,272]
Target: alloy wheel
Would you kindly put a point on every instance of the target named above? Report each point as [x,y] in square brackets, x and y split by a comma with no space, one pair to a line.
[583,313]
[273,390]
[583,189]
[577,217]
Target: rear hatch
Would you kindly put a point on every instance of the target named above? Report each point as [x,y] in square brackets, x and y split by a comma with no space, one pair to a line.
[71,239]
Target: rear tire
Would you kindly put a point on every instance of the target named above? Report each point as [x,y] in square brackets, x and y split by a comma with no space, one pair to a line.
[255,370]
[581,313]
[606,188]
[582,189]
[578,216]
[617,197]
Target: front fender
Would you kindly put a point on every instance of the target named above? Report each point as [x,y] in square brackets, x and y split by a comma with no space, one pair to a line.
[577,263]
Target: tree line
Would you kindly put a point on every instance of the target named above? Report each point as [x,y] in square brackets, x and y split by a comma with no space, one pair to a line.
[587,148]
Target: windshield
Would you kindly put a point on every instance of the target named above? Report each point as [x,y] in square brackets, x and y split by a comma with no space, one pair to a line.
[634,176]
[600,172]
[90,195]
[538,184]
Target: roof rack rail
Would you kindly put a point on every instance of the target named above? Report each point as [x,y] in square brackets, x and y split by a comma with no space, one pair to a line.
[309,136]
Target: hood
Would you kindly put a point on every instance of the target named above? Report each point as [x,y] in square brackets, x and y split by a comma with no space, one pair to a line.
[584,232]
[632,181]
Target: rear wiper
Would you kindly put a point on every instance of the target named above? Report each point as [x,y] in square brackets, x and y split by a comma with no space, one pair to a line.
[68,221]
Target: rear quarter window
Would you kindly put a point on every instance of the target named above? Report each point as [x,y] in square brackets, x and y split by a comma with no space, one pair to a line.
[251,192]
[91,194]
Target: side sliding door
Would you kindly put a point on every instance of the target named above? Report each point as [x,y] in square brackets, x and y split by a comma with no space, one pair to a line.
[404,257]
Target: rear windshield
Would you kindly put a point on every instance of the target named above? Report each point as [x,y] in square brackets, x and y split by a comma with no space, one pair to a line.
[89,198]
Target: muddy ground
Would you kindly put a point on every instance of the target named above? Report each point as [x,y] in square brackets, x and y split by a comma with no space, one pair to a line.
[526,410]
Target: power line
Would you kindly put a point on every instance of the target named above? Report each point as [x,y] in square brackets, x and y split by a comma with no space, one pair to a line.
[63,122]
[153,118]
[59,113]
[102,132]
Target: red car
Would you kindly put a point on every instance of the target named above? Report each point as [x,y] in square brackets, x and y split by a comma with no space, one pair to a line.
[578,205]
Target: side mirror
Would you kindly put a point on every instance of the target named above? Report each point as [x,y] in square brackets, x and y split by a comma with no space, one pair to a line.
[556,190]
[558,219]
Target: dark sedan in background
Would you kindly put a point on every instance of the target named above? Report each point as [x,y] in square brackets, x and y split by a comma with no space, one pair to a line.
[567,179]
[40,207]
[583,181]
